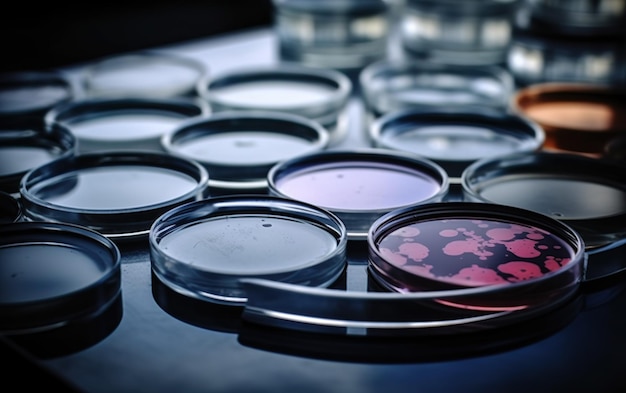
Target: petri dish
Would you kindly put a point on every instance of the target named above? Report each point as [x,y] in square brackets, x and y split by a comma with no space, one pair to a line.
[118,194]
[54,274]
[520,259]
[462,32]
[588,16]
[395,85]
[359,185]
[10,208]
[22,149]
[203,249]
[577,118]
[319,94]
[455,138]
[340,34]
[25,96]
[143,75]
[106,124]
[238,148]
[586,193]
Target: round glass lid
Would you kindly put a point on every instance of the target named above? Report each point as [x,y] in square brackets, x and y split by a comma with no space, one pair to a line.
[118,194]
[587,193]
[454,138]
[204,248]
[53,273]
[144,75]
[239,148]
[359,185]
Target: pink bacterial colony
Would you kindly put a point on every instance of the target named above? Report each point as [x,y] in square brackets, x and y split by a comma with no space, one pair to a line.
[522,244]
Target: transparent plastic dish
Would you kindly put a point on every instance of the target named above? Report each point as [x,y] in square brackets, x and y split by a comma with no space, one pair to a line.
[118,194]
[144,75]
[203,249]
[53,274]
[586,193]
[443,269]
[131,124]
[238,148]
[319,94]
[455,138]
[10,208]
[359,185]
[23,149]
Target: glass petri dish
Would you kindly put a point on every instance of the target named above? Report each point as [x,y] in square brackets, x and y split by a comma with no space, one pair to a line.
[10,208]
[135,124]
[318,94]
[143,75]
[26,96]
[518,259]
[359,185]
[455,138]
[586,193]
[204,248]
[118,194]
[340,34]
[577,118]
[54,274]
[395,85]
[22,149]
[238,148]
[474,32]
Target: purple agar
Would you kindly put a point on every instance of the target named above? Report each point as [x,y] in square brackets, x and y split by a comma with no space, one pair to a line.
[359,186]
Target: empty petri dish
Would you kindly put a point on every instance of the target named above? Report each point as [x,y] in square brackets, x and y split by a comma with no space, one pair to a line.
[359,185]
[22,149]
[318,94]
[118,194]
[456,137]
[340,34]
[143,75]
[101,124]
[586,193]
[53,274]
[577,118]
[519,259]
[458,31]
[27,95]
[395,85]
[238,148]
[203,249]
[10,208]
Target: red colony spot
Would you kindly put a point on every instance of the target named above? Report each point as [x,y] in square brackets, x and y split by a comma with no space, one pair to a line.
[542,247]
[476,276]
[501,234]
[392,257]
[415,251]
[448,233]
[420,270]
[535,236]
[523,248]
[471,246]
[521,270]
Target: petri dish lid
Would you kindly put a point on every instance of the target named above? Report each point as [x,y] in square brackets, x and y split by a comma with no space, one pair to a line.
[144,75]
[238,148]
[586,193]
[393,85]
[10,208]
[576,117]
[359,185]
[319,94]
[454,138]
[53,274]
[445,308]
[27,95]
[118,194]
[22,149]
[203,249]
[124,123]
